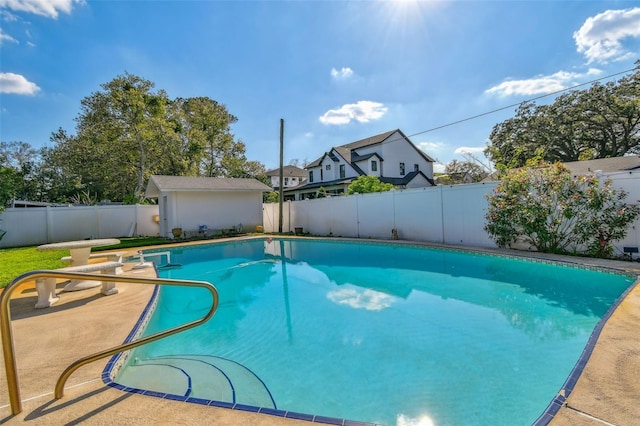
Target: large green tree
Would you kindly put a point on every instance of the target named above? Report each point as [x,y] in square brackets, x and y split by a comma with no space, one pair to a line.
[600,122]
[122,134]
[19,163]
[129,131]
[464,172]
[8,181]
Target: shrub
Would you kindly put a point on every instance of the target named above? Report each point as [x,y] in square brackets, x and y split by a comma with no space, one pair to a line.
[544,206]
[366,184]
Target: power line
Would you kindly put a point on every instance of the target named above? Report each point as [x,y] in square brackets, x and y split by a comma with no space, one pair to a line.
[520,103]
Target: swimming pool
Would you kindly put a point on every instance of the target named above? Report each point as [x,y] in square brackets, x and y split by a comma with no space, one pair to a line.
[372,332]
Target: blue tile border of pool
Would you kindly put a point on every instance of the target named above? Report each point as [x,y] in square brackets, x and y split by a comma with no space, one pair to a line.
[544,419]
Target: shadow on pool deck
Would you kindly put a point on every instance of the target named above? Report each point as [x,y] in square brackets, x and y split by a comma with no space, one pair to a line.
[84,322]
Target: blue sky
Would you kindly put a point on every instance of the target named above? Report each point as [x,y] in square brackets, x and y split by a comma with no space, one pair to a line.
[335,71]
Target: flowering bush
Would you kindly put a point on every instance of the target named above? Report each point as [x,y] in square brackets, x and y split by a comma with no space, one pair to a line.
[544,206]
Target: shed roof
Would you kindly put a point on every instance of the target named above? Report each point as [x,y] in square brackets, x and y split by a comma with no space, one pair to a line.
[159,183]
[606,165]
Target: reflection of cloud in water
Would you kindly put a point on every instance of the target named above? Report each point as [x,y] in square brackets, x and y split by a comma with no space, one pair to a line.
[404,420]
[361,298]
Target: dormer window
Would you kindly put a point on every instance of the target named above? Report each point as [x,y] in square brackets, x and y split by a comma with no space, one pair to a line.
[401,169]
[342,171]
[374,166]
[416,167]
[310,175]
[327,167]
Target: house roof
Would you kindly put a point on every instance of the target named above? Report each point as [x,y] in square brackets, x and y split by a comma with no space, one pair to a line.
[372,140]
[606,165]
[356,158]
[159,183]
[406,179]
[26,203]
[288,171]
[590,167]
[346,150]
[305,185]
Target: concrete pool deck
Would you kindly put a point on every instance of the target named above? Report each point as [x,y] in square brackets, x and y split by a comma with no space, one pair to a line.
[607,392]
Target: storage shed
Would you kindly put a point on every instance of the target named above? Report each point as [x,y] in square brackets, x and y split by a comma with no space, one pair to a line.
[207,205]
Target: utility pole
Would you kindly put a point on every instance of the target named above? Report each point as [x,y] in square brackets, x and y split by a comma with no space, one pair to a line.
[281,182]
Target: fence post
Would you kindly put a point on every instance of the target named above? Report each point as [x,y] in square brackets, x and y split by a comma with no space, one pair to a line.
[137,219]
[442,210]
[49,224]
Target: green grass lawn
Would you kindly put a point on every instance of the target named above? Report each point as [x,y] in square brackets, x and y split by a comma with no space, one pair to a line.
[16,261]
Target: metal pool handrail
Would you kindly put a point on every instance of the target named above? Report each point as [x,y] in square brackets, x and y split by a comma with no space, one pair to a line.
[7,335]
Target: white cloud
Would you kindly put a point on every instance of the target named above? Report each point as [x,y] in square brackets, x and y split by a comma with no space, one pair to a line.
[4,37]
[8,16]
[430,147]
[341,74]
[362,111]
[48,8]
[361,299]
[600,37]
[540,85]
[16,84]
[469,150]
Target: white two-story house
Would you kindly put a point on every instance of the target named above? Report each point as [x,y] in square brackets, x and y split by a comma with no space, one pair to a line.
[292,176]
[390,156]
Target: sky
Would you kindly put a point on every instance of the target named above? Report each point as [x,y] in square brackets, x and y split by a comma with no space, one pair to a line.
[334,71]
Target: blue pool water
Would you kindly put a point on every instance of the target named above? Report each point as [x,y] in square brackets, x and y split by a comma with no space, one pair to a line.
[380,333]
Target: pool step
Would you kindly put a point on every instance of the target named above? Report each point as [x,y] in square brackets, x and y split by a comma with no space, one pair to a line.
[208,377]
[158,377]
[249,389]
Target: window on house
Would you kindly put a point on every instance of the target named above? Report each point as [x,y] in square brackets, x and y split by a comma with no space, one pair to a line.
[416,167]
[328,167]
[374,166]
[286,181]
[401,169]
[310,175]
[342,173]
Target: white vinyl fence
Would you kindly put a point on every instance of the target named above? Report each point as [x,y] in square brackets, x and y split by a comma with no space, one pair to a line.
[451,214]
[443,214]
[42,225]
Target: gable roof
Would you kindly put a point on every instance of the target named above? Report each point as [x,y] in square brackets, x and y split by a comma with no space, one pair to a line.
[356,158]
[346,150]
[158,183]
[406,179]
[372,140]
[288,171]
